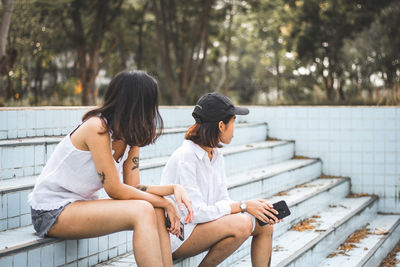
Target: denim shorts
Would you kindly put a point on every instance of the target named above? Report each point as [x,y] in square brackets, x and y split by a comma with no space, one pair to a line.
[43,220]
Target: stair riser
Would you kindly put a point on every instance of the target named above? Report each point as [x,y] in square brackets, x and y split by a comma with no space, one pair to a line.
[29,159]
[15,211]
[24,160]
[385,248]
[275,184]
[84,251]
[313,256]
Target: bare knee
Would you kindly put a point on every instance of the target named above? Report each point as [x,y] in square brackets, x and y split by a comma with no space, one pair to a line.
[241,226]
[144,213]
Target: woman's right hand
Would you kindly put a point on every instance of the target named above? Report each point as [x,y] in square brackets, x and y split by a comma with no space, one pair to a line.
[259,208]
[174,217]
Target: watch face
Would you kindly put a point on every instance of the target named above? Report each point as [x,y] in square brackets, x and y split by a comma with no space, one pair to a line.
[243,206]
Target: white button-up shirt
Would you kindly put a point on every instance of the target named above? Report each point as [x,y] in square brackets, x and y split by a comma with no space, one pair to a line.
[203,180]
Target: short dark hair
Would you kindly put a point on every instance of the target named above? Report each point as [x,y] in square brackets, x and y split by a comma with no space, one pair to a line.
[206,133]
[131,108]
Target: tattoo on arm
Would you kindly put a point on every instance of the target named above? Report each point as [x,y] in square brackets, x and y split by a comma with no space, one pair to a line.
[142,187]
[135,161]
[102,176]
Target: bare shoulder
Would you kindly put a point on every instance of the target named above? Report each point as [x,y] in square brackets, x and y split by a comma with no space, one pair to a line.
[96,124]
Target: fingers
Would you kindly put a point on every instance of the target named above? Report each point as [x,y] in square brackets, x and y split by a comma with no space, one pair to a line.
[188,204]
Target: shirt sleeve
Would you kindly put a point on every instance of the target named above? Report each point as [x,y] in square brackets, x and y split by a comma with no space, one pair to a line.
[201,211]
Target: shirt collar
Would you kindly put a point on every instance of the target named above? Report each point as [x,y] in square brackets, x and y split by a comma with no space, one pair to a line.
[200,152]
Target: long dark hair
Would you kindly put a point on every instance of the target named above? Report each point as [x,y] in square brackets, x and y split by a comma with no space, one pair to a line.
[206,133]
[131,108]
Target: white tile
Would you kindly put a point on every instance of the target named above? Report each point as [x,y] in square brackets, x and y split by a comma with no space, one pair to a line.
[13,223]
[34,257]
[3,207]
[83,245]
[26,219]
[20,259]
[3,120]
[47,256]
[83,263]
[93,260]
[72,250]
[59,253]
[6,261]
[93,245]
[103,243]
[29,155]
[12,120]
[21,116]
[13,200]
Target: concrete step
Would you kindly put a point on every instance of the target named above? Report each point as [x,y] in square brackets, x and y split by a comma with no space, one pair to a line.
[24,239]
[20,247]
[302,200]
[311,247]
[27,156]
[14,192]
[373,248]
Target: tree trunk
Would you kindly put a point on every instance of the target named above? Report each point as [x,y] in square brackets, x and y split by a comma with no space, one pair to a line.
[4,28]
[228,48]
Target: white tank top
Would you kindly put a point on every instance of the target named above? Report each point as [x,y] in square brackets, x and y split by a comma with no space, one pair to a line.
[69,175]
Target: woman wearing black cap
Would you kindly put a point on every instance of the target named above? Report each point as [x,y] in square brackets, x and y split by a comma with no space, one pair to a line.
[220,225]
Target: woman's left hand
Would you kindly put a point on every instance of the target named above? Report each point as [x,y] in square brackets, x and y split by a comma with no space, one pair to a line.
[182,198]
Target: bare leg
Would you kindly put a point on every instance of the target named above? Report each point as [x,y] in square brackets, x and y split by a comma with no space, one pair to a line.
[165,244]
[222,237]
[84,219]
[261,245]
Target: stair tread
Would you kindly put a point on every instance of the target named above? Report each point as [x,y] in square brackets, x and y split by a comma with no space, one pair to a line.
[273,169]
[11,240]
[293,242]
[368,245]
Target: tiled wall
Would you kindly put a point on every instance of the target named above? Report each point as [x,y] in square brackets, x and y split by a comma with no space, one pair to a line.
[362,143]
[358,142]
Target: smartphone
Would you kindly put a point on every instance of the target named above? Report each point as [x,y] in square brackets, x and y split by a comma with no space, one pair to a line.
[168,224]
[280,207]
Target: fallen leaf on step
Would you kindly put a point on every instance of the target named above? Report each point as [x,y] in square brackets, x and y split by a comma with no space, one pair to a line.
[277,248]
[380,231]
[249,145]
[316,216]
[303,225]
[281,194]
[351,241]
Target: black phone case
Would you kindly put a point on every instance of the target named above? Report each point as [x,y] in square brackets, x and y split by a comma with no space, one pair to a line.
[168,224]
[280,207]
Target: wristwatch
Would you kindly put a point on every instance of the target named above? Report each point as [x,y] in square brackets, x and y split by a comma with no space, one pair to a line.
[243,206]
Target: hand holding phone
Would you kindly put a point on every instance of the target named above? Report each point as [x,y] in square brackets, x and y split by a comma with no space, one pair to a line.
[181,234]
[283,211]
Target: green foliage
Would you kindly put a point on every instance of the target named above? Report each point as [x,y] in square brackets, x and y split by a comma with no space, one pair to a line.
[256,51]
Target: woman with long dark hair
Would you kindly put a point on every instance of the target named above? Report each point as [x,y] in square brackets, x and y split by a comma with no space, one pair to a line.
[64,201]
[220,224]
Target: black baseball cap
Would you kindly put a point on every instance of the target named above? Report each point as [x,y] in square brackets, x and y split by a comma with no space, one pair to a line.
[214,107]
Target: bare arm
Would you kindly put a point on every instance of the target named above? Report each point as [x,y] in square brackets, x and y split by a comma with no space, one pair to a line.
[132,178]
[99,146]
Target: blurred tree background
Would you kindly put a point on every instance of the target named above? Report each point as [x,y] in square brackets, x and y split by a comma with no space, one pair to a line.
[274,52]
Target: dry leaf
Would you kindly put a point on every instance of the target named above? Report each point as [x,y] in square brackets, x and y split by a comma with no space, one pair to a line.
[380,231]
